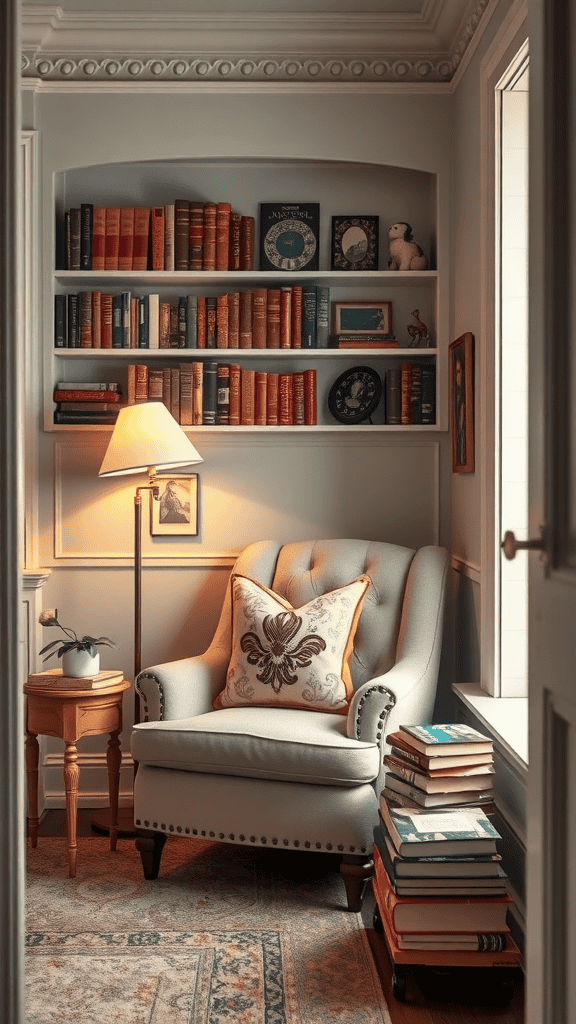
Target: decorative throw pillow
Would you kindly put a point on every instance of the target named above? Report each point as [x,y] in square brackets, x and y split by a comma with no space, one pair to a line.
[291,657]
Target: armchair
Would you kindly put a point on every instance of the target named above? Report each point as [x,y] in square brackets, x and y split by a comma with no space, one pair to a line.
[292,777]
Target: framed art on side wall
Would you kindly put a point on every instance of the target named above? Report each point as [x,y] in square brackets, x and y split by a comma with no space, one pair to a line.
[175,514]
[462,403]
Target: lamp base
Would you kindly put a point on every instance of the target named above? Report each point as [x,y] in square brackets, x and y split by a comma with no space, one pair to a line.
[126,828]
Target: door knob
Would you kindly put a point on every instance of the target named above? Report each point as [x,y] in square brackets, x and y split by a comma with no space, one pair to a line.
[510,545]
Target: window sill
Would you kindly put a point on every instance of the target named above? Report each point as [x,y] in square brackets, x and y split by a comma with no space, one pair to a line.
[505,717]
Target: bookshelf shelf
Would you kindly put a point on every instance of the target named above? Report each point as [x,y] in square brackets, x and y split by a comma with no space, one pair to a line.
[234,354]
[246,278]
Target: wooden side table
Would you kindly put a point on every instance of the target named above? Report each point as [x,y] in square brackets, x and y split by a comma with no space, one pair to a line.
[70,714]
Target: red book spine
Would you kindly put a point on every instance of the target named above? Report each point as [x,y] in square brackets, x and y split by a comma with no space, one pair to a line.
[247,396]
[296,339]
[272,400]
[259,317]
[235,386]
[310,398]
[234,252]
[285,399]
[106,319]
[234,320]
[201,322]
[285,317]
[99,238]
[112,238]
[260,398]
[66,395]
[96,319]
[223,212]
[246,338]
[181,233]
[273,319]
[158,240]
[197,393]
[222,321]
[405,392]
[141,237]
[85,319]
[126,240]
[299,404]
[209,240]
[195,236]
[169,236]
[247,243]
[131,384]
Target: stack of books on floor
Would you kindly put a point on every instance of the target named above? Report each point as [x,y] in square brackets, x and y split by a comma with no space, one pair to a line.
[439,884]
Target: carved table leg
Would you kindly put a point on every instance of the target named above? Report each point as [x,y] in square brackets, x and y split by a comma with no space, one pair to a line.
[71,773]
[356,871]
[114,760]
[32,750]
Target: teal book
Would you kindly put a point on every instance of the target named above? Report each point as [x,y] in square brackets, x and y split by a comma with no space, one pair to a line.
[322,316]
[309,305]
[60,318]
[444,739]
[442,832]
[210,393]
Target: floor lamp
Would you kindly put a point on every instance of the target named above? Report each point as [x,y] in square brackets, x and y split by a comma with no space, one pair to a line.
[146,438]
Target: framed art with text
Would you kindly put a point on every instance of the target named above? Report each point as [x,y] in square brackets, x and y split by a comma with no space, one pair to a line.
[355,243]
[175,513]
[461,360]
[362,318]
[289,236]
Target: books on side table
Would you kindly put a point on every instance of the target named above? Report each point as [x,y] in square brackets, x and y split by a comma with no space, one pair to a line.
[55,678]
[439,881]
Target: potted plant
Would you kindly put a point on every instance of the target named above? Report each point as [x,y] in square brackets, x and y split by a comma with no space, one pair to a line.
[79,655]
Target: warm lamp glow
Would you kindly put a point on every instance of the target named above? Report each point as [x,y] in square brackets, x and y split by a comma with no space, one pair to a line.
[147,435]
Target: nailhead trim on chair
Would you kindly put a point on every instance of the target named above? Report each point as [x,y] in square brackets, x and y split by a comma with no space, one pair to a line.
[384,714]
[242,838]
[147,675]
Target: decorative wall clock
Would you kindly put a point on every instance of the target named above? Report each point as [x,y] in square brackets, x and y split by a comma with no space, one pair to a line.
[355,395]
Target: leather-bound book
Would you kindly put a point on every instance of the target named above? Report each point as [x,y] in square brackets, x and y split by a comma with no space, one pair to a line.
[117,324]
[164,325]
[210,321]
[195,236]
[222,321]
[181,233]
[98,237]
[75,231]
[272,400]
[428,393]
[155,385]
[131,384]
[192,321]
[210,393]
[154,320]
[247,397]
[97,319]
[246,327]
[182,320]
[174,328]
[197,388]
[141,237]
[310,398]
[86,230]
[209,238]
[286,317]
[223,212]
[186,394]
[141,383]
[167,387]
[247,243]
[126,240]
[393,403]
[201,322]
[112,240]
[299,409]
[106,320]
[260,398]
[322,316]
[309,316]
[235,388]
[175,392]
[169,237]
[60,322]
[285,399]
[158,237]
[234,320]
[405,391]
[223,395]
[85,300]
[416,393]
[259,317]
[296,333]
[134,324]
[234,250]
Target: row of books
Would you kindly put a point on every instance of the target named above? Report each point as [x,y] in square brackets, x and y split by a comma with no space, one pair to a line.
[183,235]
[439,882]
[410,394]
[294,316]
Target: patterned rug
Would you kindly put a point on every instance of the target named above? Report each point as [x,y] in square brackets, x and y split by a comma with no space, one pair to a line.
[225,934]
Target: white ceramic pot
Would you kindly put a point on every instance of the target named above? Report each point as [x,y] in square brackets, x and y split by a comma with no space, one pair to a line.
[80,663]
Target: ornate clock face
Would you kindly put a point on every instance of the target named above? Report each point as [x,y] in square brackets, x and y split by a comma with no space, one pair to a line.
[355,394]
[290,245]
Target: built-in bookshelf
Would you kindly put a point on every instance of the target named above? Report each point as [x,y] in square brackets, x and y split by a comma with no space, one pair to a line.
[340,189]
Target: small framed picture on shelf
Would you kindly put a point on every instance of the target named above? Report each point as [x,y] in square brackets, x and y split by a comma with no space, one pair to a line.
[175,513]
[355,243]
[360,318]
[462,403]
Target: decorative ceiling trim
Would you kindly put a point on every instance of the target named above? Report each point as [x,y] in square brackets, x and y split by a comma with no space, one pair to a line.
[73,47]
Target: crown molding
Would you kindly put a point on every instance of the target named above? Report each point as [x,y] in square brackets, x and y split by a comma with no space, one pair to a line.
[167,47]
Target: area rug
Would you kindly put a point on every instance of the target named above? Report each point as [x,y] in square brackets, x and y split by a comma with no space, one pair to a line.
[225,934]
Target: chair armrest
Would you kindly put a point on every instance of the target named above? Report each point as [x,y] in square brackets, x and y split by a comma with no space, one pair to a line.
[182,689]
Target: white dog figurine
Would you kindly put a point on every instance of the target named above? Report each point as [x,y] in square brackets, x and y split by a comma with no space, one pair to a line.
[404,253]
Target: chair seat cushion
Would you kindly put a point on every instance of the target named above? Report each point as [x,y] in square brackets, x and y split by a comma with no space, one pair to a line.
[269,743]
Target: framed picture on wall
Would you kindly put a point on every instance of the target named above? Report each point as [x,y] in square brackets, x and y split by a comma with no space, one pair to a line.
[175,514]
[461,360]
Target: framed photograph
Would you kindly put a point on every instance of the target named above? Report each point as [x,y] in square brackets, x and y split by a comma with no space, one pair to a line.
[363,318]
[175,514]
[462,403]
[355,243]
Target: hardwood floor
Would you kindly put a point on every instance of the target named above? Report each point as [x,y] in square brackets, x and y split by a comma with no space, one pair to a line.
[424,1005]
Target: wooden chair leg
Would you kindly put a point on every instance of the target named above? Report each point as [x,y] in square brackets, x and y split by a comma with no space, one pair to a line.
[150,846]
[356,871]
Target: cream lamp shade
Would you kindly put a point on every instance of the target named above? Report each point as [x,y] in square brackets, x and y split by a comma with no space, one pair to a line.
[147,436]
